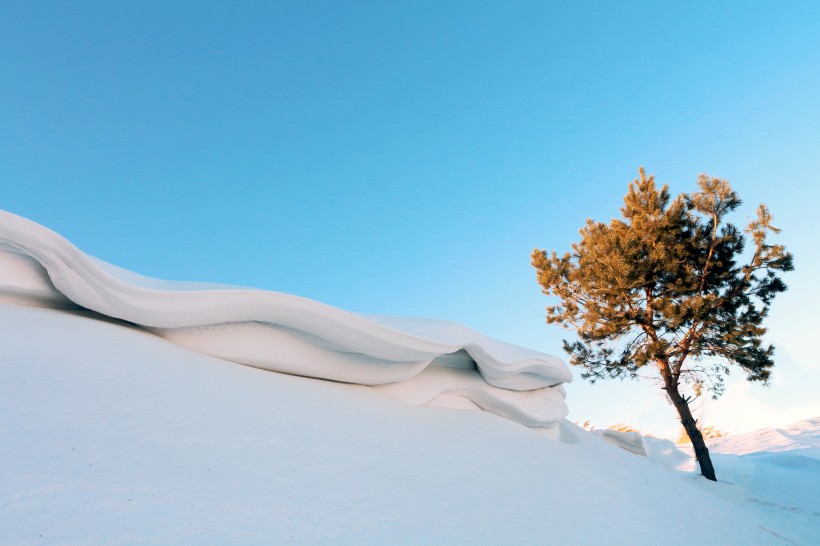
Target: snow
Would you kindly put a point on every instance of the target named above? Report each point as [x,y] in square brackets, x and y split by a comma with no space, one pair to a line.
[286,333]
[111,434]
[773,473]
[778,472]
[629,441]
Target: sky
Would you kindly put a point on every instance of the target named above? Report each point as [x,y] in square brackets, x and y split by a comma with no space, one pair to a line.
[405,158]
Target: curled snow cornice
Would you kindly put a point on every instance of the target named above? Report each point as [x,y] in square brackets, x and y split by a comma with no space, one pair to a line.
[270,330]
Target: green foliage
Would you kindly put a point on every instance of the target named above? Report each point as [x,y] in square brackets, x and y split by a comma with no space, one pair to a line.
[662,286]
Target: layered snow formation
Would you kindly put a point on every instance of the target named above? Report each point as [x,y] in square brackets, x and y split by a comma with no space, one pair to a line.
[423,362]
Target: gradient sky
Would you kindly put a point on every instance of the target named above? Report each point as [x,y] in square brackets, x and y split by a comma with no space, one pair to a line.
[405,159]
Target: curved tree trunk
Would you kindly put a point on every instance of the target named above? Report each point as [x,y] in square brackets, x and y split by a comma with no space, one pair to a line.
[690,426]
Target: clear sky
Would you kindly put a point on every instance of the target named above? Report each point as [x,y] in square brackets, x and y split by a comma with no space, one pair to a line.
[405,158]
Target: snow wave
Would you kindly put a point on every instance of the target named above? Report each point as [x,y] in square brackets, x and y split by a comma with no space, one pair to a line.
[286,333]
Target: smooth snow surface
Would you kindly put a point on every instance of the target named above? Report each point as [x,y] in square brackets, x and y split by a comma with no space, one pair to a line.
[110,435]
[778,472]
[289,334]
[774,473]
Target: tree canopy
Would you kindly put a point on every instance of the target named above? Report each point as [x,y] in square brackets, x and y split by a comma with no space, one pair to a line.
[667,285]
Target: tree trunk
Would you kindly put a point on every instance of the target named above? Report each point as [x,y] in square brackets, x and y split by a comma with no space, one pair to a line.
[691,428]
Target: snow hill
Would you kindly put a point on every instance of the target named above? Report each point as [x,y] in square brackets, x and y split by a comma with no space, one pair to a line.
[112,434]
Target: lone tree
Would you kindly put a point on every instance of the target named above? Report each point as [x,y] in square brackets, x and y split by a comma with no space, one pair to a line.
[662,287]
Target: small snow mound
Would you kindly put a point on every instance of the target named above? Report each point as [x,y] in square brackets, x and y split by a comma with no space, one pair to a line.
[628,441]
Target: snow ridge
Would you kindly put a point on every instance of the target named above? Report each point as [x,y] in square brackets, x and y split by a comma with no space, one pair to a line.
[420,361]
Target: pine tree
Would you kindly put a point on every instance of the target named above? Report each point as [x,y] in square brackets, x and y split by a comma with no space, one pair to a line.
[662,287]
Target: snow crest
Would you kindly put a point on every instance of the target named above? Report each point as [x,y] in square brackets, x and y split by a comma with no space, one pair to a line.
[423,362]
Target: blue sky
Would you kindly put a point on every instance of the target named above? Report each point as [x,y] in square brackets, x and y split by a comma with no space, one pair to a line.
[406,158]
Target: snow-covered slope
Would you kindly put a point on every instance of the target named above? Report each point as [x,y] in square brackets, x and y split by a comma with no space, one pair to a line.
[112,435]
[800,439]
[773,473]
[777,472]
[421,362]
[119,425]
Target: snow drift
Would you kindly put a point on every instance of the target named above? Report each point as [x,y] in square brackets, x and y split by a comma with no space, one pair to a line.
[433,363]
[110,435]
